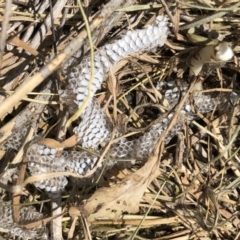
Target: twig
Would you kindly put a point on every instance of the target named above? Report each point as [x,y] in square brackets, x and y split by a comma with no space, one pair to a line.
[4,29]
[210,18]
[40,35]
[88,97]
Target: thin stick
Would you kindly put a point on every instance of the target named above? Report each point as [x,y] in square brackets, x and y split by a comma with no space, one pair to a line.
[7,13]
[87,99]
[210,18]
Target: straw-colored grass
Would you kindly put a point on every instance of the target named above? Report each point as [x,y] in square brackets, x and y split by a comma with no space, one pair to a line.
[195,194]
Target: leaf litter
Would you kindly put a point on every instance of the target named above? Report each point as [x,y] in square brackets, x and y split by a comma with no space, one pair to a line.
[173,195]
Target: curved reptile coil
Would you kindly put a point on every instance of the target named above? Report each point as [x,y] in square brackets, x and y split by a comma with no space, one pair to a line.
[95,128]
[27,215]
[105,59]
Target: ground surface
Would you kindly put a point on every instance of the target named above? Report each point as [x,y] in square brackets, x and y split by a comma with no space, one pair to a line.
[193,194]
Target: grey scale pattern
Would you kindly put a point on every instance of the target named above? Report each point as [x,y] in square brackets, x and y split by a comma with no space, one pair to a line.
[94,127]
[27,215]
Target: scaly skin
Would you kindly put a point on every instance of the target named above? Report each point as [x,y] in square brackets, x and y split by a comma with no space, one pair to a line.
[94,127]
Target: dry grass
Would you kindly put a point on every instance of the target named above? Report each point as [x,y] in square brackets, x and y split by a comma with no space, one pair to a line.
[196,194]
